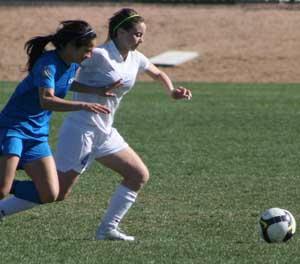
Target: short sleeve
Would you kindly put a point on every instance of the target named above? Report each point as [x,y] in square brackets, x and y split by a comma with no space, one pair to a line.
[95,61]
[97,71]
[144,62]
[44,76]
[88,62]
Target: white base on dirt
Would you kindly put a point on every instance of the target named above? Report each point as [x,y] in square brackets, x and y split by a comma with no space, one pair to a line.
[173,57]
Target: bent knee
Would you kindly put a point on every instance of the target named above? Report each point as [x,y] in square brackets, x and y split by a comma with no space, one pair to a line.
[3,194]
[140,178]
[4,191]
[144,176]
[62,196]
[48,198]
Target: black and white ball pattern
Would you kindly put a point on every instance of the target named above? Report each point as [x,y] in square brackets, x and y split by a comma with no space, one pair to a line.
[277,225]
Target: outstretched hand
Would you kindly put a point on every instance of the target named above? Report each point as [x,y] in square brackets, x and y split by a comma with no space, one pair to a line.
[107,91]
[182,93]
[96,108]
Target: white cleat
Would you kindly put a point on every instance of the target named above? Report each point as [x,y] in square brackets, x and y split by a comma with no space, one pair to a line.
[113,234]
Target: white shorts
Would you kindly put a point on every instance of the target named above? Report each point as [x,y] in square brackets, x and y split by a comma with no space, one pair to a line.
[78,146]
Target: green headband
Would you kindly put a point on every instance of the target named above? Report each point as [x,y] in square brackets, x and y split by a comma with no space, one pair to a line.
[123,21]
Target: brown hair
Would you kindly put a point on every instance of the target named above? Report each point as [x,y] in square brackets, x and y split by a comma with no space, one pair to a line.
[125,18]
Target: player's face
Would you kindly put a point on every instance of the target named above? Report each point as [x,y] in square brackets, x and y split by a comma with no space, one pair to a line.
[134,36]
[83,52]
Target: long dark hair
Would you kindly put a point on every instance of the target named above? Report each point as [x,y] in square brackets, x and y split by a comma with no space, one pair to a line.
[125,18]
[77,31]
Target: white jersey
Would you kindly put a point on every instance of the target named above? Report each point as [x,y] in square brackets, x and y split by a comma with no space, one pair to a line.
[105,67]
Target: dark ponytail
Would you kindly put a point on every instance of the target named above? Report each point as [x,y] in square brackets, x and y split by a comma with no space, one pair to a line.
[79,32]
[35,47]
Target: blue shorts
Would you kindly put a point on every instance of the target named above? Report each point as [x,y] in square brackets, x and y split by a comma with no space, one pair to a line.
[27,150]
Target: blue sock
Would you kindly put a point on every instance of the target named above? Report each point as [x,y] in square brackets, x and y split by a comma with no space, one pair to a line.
[25,190]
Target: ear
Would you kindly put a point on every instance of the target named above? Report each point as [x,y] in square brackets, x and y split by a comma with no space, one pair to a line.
[70,45]
[122,31]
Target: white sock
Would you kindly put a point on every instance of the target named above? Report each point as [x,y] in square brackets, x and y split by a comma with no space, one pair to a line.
[121,201]
[13,205]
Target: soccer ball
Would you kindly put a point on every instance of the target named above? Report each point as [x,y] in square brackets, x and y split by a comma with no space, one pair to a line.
[277,225]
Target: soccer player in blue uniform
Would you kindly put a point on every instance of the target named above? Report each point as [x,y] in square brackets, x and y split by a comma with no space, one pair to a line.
[24,121]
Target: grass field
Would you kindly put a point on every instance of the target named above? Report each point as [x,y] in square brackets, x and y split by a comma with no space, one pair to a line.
[216,163]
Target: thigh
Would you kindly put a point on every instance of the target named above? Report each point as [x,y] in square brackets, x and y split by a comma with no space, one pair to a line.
[10,150]
[44,175]
[8,167]
[66,182]
[126,162]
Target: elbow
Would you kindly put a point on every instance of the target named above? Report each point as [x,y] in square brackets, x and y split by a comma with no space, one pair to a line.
[158,76]
[45,104]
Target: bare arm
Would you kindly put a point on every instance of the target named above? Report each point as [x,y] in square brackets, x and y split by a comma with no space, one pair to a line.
[160,76]
[83,88]
[51,102]
[102,91]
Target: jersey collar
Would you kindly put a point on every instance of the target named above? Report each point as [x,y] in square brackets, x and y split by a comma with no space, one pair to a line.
[116,52]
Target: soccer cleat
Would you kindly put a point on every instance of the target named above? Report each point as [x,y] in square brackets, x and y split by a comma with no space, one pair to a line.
[113,234]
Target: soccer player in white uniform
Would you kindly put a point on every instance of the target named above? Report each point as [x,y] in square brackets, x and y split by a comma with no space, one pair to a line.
[85,137]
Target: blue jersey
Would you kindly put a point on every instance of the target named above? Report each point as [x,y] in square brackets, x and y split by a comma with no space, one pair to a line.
[23,116]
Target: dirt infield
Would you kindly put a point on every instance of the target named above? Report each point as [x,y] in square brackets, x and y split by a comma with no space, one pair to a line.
[236,43]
